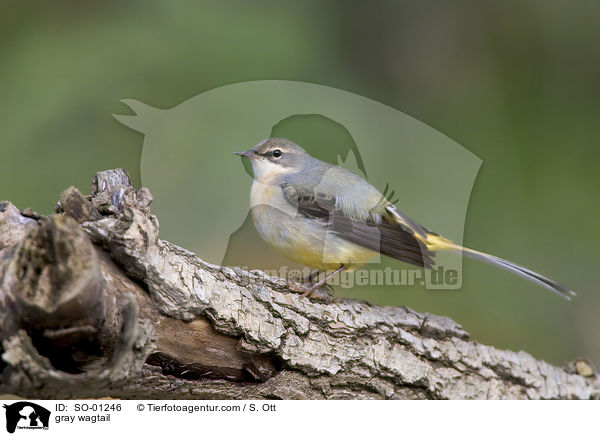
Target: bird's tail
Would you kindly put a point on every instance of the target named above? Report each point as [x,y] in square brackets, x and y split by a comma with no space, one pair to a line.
[437,243]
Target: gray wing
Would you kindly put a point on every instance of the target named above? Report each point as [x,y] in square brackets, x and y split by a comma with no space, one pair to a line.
[377,229]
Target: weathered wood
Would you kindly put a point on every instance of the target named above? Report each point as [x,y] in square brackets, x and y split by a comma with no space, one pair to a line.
[93,303]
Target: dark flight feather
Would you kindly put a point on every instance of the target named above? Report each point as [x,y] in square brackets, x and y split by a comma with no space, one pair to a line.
[386,237]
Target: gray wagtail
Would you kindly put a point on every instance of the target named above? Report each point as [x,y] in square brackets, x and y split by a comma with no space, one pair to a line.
[326,217]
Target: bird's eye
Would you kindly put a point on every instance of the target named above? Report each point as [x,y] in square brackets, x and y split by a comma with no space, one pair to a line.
[277,153]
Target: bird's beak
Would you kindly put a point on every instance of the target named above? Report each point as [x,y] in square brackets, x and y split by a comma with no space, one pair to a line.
[249,154]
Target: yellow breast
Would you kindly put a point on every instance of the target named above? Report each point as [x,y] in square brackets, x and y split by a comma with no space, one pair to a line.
[300,238]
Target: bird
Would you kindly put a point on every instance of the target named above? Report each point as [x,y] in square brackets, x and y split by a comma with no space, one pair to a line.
[331,219]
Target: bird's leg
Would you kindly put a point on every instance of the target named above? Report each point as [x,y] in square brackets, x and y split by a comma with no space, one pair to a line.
[322,281]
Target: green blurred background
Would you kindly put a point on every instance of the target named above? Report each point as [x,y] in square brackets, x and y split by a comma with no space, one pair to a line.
[515,82]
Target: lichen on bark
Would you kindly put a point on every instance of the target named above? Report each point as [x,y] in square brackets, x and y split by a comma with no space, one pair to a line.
[93,303]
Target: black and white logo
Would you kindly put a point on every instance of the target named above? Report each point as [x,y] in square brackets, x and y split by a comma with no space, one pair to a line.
[26,415]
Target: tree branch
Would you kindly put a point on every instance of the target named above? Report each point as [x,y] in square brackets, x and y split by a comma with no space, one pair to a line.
[93,303]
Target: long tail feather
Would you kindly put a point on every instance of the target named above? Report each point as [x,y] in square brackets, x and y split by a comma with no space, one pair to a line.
[436,242]
[520,270]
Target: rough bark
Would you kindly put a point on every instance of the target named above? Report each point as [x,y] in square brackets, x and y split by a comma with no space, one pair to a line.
[93,303]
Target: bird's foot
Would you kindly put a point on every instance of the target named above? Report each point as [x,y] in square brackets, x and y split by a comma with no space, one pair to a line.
[323,292]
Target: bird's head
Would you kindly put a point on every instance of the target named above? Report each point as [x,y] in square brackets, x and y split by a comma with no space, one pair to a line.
[276,157]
